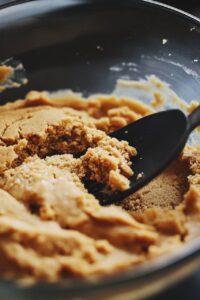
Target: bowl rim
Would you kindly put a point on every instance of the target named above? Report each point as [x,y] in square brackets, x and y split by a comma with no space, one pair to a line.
[158,266]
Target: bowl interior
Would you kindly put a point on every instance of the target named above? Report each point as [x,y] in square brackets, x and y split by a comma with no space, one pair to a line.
[86,45]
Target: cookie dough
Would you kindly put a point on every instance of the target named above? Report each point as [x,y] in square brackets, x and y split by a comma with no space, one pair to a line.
[49,145]
[12,74]
[5,73]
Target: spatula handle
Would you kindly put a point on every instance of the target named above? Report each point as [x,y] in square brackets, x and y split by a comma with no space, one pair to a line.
[194,119]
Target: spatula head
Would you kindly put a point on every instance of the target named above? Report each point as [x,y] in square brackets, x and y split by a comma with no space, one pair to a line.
[158,138]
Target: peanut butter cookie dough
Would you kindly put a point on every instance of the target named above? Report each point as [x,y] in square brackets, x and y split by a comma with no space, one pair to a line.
[49,221]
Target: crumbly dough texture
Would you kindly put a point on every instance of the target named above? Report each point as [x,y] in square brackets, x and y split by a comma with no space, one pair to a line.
[49,145]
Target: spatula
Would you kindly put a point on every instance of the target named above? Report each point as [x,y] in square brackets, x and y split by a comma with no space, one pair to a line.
[159,139]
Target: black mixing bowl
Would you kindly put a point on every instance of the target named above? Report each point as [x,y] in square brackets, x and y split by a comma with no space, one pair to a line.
[86,45]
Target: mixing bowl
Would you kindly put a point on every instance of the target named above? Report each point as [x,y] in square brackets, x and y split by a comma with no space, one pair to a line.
[86,45]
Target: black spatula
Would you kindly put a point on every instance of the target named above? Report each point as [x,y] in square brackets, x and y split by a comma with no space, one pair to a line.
[158,138]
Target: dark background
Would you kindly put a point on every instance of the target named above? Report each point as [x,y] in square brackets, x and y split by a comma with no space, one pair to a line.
[191,6]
